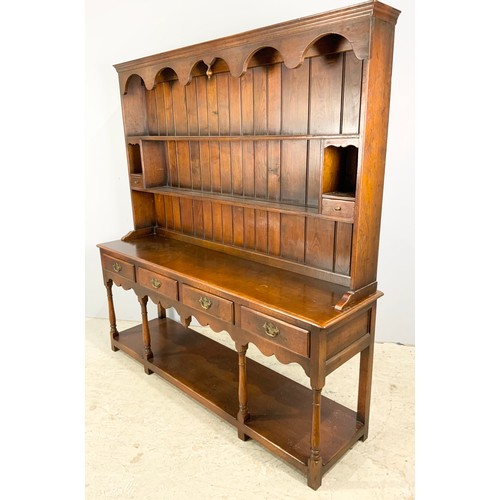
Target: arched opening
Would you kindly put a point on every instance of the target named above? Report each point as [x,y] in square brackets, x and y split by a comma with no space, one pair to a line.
[165,75]
[264,56]
[327,45]
[133,84]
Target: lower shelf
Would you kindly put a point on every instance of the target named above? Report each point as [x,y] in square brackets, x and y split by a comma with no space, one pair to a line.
[280,409]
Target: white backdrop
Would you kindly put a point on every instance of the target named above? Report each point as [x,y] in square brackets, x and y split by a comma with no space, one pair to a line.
[121,30]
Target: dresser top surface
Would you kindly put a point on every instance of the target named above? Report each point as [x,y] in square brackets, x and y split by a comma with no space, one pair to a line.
[304,298]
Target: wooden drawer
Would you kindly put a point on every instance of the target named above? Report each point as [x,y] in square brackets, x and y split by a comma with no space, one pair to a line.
[207,303]
[157,282]
[119,267]
[290,337]
[338,208]
[136,180]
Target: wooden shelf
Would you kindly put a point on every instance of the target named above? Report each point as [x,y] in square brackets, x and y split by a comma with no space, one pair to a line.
[340,140]
[280,409]
[232,199]
[338,195]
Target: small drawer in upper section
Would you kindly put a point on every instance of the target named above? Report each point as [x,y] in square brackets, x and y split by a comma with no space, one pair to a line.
[136,181]
[157,282]
[290,337]
[118,266]
[208,303]
[340,209]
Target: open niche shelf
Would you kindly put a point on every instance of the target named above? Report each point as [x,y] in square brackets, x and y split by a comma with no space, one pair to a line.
[134,158]
[135,164]
[339,172]
[340,165]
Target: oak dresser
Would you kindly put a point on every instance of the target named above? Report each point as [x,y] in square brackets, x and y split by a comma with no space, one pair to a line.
[256,167]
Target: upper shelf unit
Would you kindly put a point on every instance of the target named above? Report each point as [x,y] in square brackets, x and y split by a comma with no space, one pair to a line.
[288,123]
[320,98]
[260,135]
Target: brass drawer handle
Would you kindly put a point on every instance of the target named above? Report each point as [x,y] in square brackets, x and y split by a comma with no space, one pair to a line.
[205,303]
[337,209]
[117,267]
[156,283]
[271,329]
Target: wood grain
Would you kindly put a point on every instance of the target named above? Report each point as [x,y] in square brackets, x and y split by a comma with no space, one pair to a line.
[227,224]
[160,211]
[352,93]
[343,240]
[207,220]
[217,221]
[199,229]
[238,231]
[187,218]
[292,237]
[326,94]
[179,108]
[293,172]
[134,107]
[184,164]
[176,211]
[261,231]
[295,89]
[249,228]
[260,100]
[274,233]
[152,114]
[169,214]
[319,243]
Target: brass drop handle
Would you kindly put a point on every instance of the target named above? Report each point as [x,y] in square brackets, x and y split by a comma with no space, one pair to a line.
[205,303]
[337,209]
[271,329]
[156,283]
[117,267]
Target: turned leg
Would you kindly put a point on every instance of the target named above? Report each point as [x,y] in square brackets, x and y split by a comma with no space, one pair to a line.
[113,332]
[315,462]
[146,337]
[243,414]
[162,314]
[365,379]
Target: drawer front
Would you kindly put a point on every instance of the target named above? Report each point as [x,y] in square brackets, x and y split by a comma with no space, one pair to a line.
[290,337]
[208,303]
[157,282]
[136,180]
[119,267]
[338,208]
